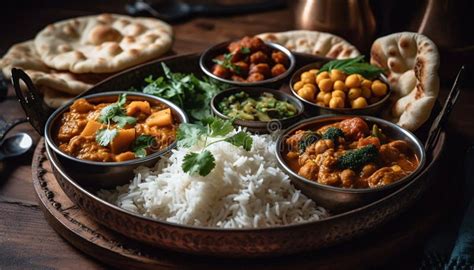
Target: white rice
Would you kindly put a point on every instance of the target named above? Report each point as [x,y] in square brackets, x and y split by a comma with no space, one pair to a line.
[246,189]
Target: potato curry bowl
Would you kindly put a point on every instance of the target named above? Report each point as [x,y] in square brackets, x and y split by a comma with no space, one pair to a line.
[346,161]
[110,134]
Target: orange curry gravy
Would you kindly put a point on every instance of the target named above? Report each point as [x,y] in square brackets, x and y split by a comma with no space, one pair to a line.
[79,126]
[320,160]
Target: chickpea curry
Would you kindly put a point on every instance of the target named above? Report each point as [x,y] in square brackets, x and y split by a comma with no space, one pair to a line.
[114,132]
[349,83]
[350,155]
[250,60]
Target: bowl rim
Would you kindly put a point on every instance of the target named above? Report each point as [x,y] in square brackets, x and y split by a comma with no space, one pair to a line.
[414,140]
[344,110]
[259,90]
[49,139]
[206,54]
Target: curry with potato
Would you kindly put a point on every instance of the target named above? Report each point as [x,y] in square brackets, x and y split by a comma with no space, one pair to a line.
[349,154]
[114,132]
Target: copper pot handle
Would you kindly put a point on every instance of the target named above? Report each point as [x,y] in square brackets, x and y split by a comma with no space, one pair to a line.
[37,112]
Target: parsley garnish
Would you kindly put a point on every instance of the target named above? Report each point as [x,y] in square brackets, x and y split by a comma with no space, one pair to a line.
[203,162]
[141,143]
[353,66]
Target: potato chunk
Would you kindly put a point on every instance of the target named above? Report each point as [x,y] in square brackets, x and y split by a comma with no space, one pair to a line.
[123,140]
[91,128]
[136,107]
[161,118]
[81,106]
[125,156]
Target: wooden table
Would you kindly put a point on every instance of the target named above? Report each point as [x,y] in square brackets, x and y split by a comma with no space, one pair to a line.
[27,241]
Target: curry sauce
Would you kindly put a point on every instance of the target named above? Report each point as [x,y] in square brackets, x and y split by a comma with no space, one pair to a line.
[113,132]
[348,154]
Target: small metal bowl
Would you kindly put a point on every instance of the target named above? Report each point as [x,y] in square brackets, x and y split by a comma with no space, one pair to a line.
[314,109]
[206,64]
[96,174]
[338,199]
[260,127]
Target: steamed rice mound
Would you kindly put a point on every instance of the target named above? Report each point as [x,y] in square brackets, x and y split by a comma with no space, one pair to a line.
[246,189]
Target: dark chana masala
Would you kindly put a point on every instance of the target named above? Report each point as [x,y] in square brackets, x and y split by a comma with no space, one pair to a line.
[250,60]
[349,154]
[114,132]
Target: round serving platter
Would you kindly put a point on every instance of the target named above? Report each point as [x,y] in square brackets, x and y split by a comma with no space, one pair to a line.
[75,225]
[237,242]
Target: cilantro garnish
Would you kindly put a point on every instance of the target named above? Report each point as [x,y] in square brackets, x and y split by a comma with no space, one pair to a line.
[141,143]
[227,63]
[105,136]
[113,113]
[186,91]
[203,162]
[245,50]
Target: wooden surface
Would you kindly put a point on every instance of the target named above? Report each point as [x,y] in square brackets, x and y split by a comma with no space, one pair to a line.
[27,241]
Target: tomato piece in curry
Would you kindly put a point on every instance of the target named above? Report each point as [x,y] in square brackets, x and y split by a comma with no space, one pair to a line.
[350,155]
[81,126]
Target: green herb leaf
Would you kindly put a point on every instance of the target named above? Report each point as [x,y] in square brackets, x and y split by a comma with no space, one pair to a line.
[199,163]
[227,63]
[189,134]
[141,143]
[219,127]
[245,50]
[353,66]
[124,120]
[241,139]
[105,136]
[115,109]
[186,91]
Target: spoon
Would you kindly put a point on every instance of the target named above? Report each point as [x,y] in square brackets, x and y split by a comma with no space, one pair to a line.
[15,145]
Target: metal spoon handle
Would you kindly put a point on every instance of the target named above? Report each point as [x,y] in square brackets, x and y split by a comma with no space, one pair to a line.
[7,126]
[443,116]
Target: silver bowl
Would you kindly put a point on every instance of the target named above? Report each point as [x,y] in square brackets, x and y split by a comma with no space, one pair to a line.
[314,109]
[206,64]
[94,174]
[339,199]
[260,127]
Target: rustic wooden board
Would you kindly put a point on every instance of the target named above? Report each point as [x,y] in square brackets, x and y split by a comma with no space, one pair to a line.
[394,239]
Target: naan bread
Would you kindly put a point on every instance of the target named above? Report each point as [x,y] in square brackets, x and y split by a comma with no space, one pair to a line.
[102,44]
[412,63]
[313,42]
[23,55]
[54,99]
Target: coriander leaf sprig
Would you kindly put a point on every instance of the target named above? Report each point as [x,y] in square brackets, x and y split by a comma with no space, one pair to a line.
[227,63]
[353,66]
[141,143]
[113,113]
[203,162]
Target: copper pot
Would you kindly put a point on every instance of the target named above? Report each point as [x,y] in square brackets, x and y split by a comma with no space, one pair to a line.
[350,19]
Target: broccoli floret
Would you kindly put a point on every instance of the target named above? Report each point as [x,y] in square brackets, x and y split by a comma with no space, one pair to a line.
[332,134]
[355,159]
[308,138]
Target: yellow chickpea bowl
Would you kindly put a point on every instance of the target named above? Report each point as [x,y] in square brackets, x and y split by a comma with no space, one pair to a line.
[335,92]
